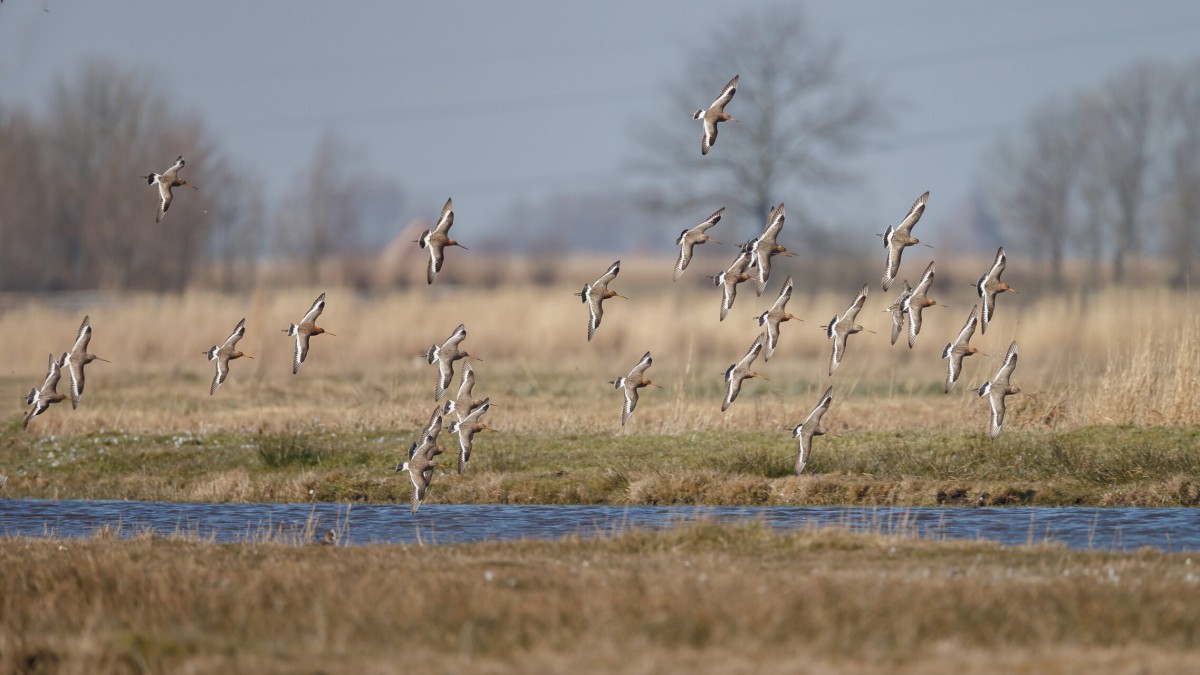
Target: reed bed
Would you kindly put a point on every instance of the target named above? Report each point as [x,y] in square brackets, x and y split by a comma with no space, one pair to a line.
[705,597]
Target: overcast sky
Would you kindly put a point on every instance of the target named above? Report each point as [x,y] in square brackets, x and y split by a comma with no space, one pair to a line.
[494,102]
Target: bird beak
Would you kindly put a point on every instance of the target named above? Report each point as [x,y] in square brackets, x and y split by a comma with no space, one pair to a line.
[714,241]
[621,296]
[656,385]
[924,244]
[106,360]
[192,186]
[1012,290]
[247,356]
[331,334]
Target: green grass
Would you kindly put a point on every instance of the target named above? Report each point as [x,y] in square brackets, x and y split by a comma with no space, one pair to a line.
[1090,466]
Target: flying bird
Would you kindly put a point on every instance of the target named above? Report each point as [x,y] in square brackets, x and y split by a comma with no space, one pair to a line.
[594,294]
[728,280]
[989,286]
[42,398]
[437,239]
[917,301]
[463,403]
[445,356]
[898,311]
[999,388]
[636,379]
[420,464]
[304,330]
[765,246]
[226,353]
[895,239]
[167,180]
[466,428]
[688,239]
[79,357]
[737,372]
[811,426]
[840,328]
[771,318]
[954,352]
[715,114]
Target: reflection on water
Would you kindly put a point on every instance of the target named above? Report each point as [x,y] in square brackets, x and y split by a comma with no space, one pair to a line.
[1087,528]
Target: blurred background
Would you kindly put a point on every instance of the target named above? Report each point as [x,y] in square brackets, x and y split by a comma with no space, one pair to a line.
[326,136]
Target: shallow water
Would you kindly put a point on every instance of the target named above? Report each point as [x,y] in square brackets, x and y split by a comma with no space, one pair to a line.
[1083,528]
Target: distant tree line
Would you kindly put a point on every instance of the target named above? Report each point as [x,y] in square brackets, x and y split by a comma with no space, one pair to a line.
[1106,174]
[74,214]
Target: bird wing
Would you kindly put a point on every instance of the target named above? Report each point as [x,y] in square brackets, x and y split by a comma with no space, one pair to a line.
[446,219]
[639,371]
[726,94]
[165,197]
[728,294]
[733,387]
[456,337]
[989,305]
[926,280]
[75,371]
[762,259]
[465,386]
[753,352]
[301,351]
[612,272]
[772,337]
[712,220]
[998,265]
[445,374]
[954,359]
[709,137]
[814,417]
[785,294]
[318,306]
[996,402]
[839,350]
[1010,364]
[436,257]
[83,337]
[803,447]
[238,333]
[914,214]
[685,255]
[53,373]
[219,376]
[968,329]
[855,307]
[914,322]
[893,261]
[595,303]
[631,399]
[434,427]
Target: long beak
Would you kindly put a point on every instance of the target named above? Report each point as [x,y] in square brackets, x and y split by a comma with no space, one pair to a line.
[656,385]
[870,331]
[462,247]
[1012,290]
[331,334]
[927,245]
[192,186]
[247,356]
[106,360]
[713,241]
[621,296]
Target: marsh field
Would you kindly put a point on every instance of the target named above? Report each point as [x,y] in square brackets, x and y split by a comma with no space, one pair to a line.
[1110,422]
[1108,418]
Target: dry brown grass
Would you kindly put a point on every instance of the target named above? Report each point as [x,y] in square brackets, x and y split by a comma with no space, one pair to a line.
[706,598]
[1126,358]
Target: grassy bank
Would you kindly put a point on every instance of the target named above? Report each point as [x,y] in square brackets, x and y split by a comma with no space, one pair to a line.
[702,598]
[1099,466]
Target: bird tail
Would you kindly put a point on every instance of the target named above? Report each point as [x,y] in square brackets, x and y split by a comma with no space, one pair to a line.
[946,350]
[984,388]
[431,355]
[33,396]
[292,330]
[212,353]
[698,114]
[617,383]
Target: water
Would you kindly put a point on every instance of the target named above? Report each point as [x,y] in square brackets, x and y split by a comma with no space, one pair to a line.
[1082,528]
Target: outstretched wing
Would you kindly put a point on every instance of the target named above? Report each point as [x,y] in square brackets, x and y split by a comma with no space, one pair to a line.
[318,306]
[446,219]
[914,214]
[238,333]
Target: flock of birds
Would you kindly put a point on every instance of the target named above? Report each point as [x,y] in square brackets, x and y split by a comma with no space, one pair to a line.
[753,262]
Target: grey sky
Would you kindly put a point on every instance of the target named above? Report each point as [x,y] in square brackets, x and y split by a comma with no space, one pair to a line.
[494,102]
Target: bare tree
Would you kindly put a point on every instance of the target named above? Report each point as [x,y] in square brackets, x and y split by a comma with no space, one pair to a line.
[24,239]
[1031,182]
[800,116]
[320,214]
[1183,185]
[1127,109]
